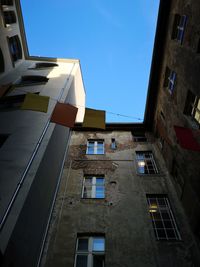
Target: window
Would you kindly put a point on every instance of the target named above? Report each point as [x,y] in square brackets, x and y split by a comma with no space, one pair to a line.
[95,147]
[198,46]
[42,65]
[163,221]
[7,2]
[9,17]
[113,144]
[2,64]
[93,187]
[3,138]
[170,79]
[31,80]
[15,48]
[90,251]
[179,27]
[192,106]
[145,163]
[12,102]
[139,137]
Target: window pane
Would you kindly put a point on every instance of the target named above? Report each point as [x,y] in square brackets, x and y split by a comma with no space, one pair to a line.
[98,261]
[100,192]
[98,244]
[87,192]
[83,244]
[99,181]
[81,261]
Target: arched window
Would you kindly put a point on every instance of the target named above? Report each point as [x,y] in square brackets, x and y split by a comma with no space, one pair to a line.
[9,17]
[32,79]
[41,65]
[7,2]
[15,47]
[2,64]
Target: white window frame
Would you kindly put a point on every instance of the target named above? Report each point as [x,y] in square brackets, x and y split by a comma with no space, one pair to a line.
[160,210]
[95,147]
[172,81]
[181,28]
[143,161]
[90,252]
[94,186]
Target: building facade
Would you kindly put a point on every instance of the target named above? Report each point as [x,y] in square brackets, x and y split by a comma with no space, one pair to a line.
[32,148]
[117,205]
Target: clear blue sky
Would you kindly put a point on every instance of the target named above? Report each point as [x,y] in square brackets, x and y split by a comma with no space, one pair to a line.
[113,40]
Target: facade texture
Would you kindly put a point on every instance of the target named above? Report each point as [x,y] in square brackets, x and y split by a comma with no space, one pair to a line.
[31,157]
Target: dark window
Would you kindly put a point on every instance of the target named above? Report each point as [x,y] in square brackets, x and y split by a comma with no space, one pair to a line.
[145,163]
[170,79]
[41,65]
[12,102]
[198,47]
[113,144]
[7,2]
[15,48]
[31,80]
[179,27]
[3,138]
[90,251]
[163,221]
[9,17]
[139,137]
[192,106]
[2,64]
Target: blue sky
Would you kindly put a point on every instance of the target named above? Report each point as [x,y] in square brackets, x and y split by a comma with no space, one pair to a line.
[113,40]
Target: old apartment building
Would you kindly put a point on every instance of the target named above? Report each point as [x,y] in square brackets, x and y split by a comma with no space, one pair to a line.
[124,196]
[32,148]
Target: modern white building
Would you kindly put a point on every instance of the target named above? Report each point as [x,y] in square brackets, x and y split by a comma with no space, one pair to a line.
[32,149]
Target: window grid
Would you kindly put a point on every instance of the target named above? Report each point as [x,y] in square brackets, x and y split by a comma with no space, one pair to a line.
[90,251]
[93,187]
[146,163]
[163,221]
[95,147]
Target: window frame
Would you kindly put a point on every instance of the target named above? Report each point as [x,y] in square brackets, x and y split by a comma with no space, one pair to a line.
[143,160]
[15,48]
[94,185]
[90,253]
[179,27]
[191,107]
[95,147]
[157,211]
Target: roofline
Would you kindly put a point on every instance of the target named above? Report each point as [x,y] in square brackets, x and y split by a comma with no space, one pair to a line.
[112,127]
[156,64]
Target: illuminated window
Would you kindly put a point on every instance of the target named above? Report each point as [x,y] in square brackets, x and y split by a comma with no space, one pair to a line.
[95,147]
[163,221]
[9,17]
[145,163]
[179,27]
[15,48]
[90,251]
[192,107]
[93,187]
[170,79]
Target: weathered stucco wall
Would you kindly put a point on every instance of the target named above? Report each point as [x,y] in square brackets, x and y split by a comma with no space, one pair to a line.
[123,215]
